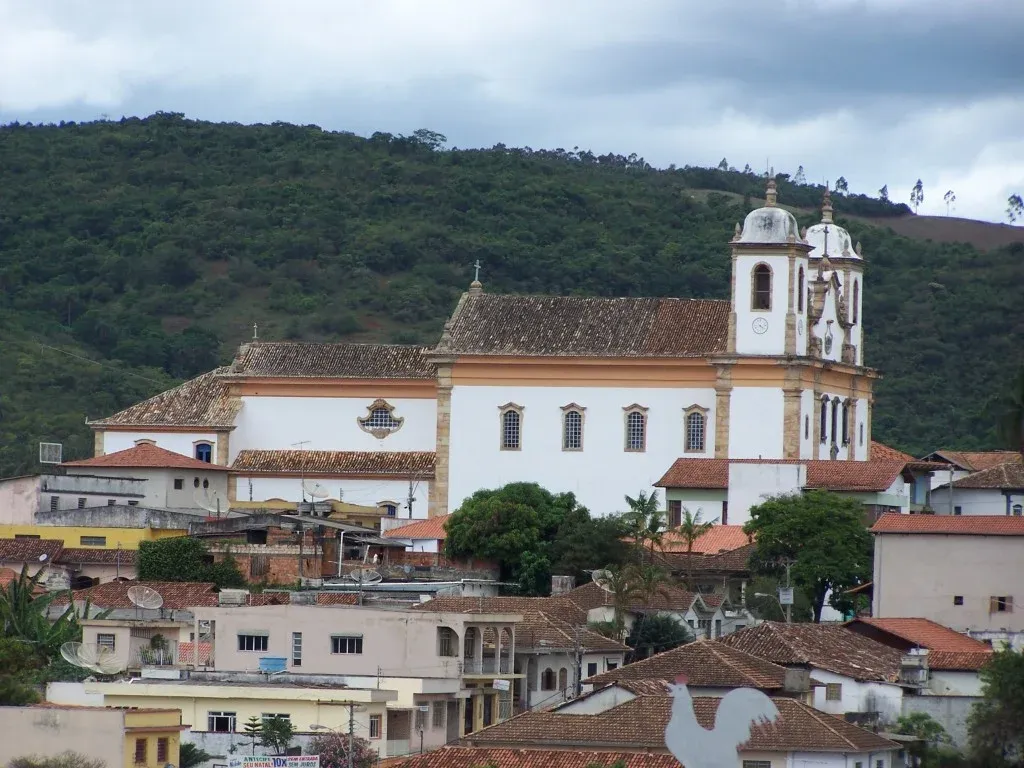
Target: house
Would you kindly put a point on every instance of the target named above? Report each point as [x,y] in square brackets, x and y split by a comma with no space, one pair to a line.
[555,651]
[66,567]
[22,498]
[718,562]
[117,737]
[861,676]
[726,489]
[712,669]
[955,465]
[637,725]
[546,388]
[997,490]
[963,572]
[420,536]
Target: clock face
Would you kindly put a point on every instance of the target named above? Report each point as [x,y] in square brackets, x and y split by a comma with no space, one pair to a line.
[760,325]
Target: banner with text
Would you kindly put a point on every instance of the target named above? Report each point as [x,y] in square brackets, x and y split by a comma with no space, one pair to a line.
[284,761]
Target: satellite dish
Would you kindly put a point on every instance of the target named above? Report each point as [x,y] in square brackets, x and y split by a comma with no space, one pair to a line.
[43,557]
[142,596]
[603,579]
[315,490]
[92,657]
[364,576]
[211,501]
[69,652]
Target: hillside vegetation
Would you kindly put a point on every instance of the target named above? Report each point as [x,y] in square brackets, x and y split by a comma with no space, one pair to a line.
[152,246]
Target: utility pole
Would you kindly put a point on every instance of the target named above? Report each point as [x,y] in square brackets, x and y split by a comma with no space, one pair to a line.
[409,500]
[351,730]
[789,605]
[578,652]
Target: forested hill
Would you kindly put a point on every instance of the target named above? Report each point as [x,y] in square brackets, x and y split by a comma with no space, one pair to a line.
[153,246]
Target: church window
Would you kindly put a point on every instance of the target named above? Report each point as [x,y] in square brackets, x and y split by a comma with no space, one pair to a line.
[380,420]
[846,422]
[572,428]
[862,434]
[807,427]
[800,290]
[856,301]
[762,287]
[204,452]
[835,419]
[824,419]
[636,428]
[696,429]
[511,427]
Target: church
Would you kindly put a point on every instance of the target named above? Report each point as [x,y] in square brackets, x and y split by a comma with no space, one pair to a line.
[590,395]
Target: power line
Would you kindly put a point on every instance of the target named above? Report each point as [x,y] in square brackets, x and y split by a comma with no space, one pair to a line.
[122,371]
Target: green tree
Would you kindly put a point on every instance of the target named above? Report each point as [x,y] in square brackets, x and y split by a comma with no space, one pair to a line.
[841,186]
[253,729]
[1014,207]
[645,523]
[883,193]
[334,747]
[949,199]
[822,534]
[917,195]
[183,558]
[23,616]
[994,725]
[1011,420]
[691,528]
[191,755]
[933,737]
[18,661]
[800,177]
[67,759]
[656,634]
[278,733]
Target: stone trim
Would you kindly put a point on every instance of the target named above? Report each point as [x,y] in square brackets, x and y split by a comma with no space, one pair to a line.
[502,411]
[582,411]
[627,412]
[723,398]
[437,500]
[791,427]
[687,412]
[223,448]
[379,432]
[97,443]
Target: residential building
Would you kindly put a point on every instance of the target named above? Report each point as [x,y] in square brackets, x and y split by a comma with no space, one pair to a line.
[718,563]
[954,465]
[965,572]
[997,490]
[861,677]
[555,650]
[549,389]
[474,757]
[22,498]
[66,567]
[118,737]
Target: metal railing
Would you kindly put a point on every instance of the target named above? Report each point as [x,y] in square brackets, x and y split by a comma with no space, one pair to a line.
[396,747]
[490,666]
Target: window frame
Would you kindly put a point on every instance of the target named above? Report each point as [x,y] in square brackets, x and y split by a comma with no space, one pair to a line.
[163,748]
[800,290]
[761,269]
[504,412]
[833,691]
[204,447]
[628,412]
[375,726]
[856,301]
[380,430]
[340,645]
[591,668]
[106,640]
[574,410]
[82,502]
[438,714]
[296,649]
[92,541]
[845,433]
[548,679]
[823,402]
[835,420]
[141,756]
[673,513]
[1000,604]
[231,717]
[958,599]
[254,639]
[447,642]
[688,413]
[54,503]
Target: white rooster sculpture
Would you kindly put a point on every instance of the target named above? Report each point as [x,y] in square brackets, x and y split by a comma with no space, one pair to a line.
[695,746]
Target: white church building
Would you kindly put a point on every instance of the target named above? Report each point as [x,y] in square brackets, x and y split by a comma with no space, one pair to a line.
[594,396]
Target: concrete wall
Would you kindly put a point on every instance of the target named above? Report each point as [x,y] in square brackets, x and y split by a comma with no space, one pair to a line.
[97,734]
[19,499]
[159,485]
[950,711]
[120,516]
[179,442]
[477,460]
[920,574]
[708,502]
[954,683]
[858,696]
[976,501]
[126,538]
[751,484]
[755,423]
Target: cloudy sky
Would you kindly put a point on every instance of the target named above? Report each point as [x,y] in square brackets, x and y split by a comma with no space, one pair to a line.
[878,91]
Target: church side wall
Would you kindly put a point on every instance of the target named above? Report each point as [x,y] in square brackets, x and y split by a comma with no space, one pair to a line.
[368,492]
[824,449]
[179,442]
[807,424]
[330,424]
[600,474]
[862,448]
[755,423]
[819,331]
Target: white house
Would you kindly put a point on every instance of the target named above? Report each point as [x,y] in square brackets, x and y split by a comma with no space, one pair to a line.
[997,490]
[547,389]
[955,465]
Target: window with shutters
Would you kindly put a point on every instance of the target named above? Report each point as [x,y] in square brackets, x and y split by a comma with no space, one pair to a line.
[835,419]
[446,641]
[104,640]
[547,680]
[511,427]
[161,749]
[675,513]
[81,502]
[572,427]
[54,503]
[204,452]
[591,668]
[1000,604]
[140,751]
[92,541]
[958,599]
[846,422]
[421,718]
[636,428]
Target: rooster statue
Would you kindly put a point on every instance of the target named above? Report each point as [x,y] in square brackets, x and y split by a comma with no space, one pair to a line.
[695,746]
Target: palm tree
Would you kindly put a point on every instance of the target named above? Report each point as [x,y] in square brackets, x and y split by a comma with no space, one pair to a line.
[691,528]
[646,522]
[622,586]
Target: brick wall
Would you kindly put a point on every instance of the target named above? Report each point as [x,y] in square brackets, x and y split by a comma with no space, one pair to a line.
[273,563]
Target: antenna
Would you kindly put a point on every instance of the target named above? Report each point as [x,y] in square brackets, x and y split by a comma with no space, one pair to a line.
[364,576]
[142,596]
[603,579]
[92,657]
[51,453]
[315,490]
[212,501]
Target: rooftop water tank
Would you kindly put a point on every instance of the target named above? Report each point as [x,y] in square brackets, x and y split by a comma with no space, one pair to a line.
[271,664]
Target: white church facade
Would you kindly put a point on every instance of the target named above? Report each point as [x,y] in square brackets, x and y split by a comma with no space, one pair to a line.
[594,396]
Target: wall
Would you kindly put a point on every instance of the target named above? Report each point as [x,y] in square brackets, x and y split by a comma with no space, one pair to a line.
[750,484]
[159,485]
[954,683]
[96,488]
[951,712]
[19,500]
[823,450]
[943,476]
[819,330]
[918,576]
[477,460]
[120,516]
[772,341]
[329,424]
[858,696]
[179,442]
[755,423]
[976,501]
[73,694]
[708,502]
[46,732]
[368,492]
[126,538]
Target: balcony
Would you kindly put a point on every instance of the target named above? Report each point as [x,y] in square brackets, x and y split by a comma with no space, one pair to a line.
[487,666]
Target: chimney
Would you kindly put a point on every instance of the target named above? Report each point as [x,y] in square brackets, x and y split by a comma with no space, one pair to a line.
[797,680]
[562,584]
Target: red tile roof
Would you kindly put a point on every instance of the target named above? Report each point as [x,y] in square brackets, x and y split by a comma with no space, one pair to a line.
[557,607]
[146,456]
[590,596]
[713,474]
[975,461]
[732,561]
[719,538]
[948,649]
[404,464]
[707,665]
[961,525]
[200,402]
[29,550]
[177,595]
[830,647]
[1009,475]
[471,757]
[431,528]
[884,452]
[7,575]
[280,359]
[95,556]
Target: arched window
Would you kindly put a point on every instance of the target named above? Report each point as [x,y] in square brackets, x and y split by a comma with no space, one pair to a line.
[835,419]
[572,428]
[511,427]
[547,680]
[846,422]
[762,287]
[563,679]
[204,452]
[696,429]
[469,643]
[824,419]
[636,428]
[800,290]
[856,301]
[1018,510]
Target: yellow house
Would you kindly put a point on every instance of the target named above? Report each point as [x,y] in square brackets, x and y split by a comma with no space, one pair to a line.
[131,738]
[100,538]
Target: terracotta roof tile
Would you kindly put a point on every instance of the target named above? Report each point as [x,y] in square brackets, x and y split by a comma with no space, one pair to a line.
[962,525]
[1009,475]
[95,556]
[719,538]
[975,461]
[830,647]
[146,456]
[884,452]
[641,722]
[569,326]
[590,596]
[707,664]
[177,595]
[713,474]
[470,757]
[7,575]
[200,402]
[431,528]
[960,662]
[948,649]
[731,561]
[556,607]
[29,550]
[418,464]
[336,598]
[334,361]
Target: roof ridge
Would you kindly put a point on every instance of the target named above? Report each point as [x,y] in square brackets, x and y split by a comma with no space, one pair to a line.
[826,720]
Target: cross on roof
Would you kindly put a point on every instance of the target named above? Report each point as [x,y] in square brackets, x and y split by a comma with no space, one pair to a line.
[476,267]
